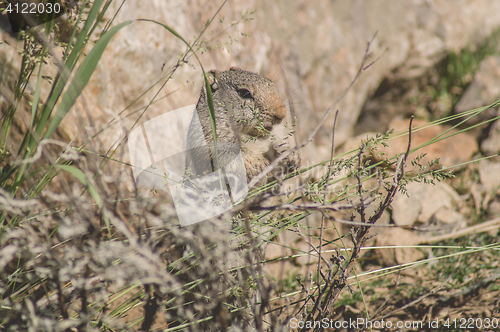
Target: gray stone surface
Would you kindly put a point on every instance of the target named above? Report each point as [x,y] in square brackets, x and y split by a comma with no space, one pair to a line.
[446,221]
[489,174]
[312,47]
[491,144]
[422,202]
[484,90]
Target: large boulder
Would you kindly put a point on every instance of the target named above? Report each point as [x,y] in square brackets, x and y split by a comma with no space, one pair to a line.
[312,49]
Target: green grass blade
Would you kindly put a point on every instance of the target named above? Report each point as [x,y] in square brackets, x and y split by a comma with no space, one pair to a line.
[70,63]
[36,97]
[211,109]
[82,77]
[69,47]
[83,179]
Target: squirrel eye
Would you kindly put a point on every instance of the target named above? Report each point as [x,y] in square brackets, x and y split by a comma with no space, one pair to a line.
[244,93]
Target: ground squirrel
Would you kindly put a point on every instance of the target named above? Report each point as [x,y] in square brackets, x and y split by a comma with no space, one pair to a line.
[250,119]
[249,116]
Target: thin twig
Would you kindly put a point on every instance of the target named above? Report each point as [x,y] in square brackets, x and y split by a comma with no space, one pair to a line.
[312,246]
[362,205]
[483,227]
[327,179]
[332,289]
[313,206]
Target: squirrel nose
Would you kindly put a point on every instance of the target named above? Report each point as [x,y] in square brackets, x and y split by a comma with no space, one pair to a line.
[280,111]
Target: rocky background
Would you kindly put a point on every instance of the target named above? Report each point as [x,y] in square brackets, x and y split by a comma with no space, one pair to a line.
[313,50]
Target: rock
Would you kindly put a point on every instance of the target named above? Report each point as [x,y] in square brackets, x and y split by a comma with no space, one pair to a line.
[275,250]
[489,175]
[494,207]
[491,145]
[312,47]
[484,90]
[398,237]
[448,216]
[306,256]
[446,221]
[433,206]
[422,202]
[450,151]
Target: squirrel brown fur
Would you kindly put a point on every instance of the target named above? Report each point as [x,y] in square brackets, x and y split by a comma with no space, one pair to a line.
[249,117]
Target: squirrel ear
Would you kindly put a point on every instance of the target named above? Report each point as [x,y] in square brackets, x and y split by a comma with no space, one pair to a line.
[212,79]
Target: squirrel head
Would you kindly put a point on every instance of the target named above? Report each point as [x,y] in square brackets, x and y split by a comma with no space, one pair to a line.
[251,101]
